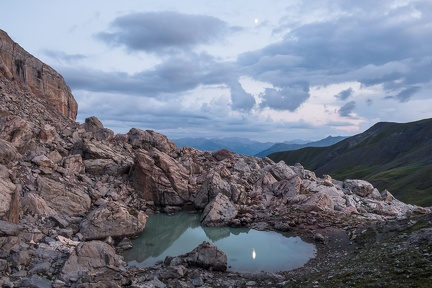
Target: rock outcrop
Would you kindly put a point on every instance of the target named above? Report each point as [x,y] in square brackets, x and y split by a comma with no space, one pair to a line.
[94,259]
[207,256]
[112,220]
[219,212]
[36,78]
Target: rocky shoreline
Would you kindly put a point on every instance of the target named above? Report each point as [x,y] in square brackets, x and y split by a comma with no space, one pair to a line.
[73,194]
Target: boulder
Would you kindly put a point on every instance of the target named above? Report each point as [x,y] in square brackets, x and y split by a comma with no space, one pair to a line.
[44,163]
[213,185]
[358,187]
[219,212]
[99,150]
[106,167]
[319,201]
[74,165]
[91,258]
[8,152]
[36,281]
[47,134]
[287,188]
[17,131]
[9,229]
[33,204]
[160,179]
[65,199]
[148,139]
[223,154]
[93,125]
[281,171]
[207,256]
[113,219]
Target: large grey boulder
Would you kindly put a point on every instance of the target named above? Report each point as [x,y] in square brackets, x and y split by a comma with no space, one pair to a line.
[113,219]
[9,229]
[148,139]
[64,199]
[213,185]
[220,211]
[33,204]
[94,257]
[93,125]
[359,187]
[160,178]
[207,256]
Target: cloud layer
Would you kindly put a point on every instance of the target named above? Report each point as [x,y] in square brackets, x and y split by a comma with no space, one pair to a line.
[328,66]
[164,32]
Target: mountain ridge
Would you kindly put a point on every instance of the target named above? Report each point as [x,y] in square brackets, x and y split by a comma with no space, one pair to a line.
[396,156]
[278,147]
[239,145]
[250,147]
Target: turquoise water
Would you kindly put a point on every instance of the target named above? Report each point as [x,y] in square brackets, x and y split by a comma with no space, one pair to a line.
[247,250]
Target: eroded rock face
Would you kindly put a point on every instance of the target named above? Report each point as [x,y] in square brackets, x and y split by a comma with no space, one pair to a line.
[41,80]
[112,219]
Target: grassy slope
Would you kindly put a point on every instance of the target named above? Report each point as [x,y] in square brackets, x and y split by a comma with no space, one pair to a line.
[392,156]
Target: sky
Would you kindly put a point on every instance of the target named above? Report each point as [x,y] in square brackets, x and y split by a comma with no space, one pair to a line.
[264,70]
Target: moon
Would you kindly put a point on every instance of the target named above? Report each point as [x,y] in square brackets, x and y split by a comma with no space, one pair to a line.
[256,21]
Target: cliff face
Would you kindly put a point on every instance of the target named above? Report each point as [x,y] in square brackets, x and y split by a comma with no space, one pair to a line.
[39,79]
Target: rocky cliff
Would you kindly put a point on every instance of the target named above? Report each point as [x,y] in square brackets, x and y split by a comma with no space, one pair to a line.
[35,77]
[70,193]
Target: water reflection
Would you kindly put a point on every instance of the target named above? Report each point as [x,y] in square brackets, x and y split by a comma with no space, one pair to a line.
[175,235]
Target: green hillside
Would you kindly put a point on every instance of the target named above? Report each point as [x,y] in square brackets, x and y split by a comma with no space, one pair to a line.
[392,156]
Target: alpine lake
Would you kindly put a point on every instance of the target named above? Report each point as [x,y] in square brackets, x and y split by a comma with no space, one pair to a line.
[247,250]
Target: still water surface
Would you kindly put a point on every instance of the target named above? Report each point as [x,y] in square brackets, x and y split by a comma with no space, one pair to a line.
[247,250]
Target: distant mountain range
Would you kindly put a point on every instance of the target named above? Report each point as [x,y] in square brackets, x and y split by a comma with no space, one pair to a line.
[235,144]
[294,146]
[393,156]
[250,147]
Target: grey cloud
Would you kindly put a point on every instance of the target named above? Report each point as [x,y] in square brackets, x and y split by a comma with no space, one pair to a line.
[405,95]
[287,98]
[164,31]
[346,110]
[174,75]
[389,42]
[241,100]
[62,56]
[345,94]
